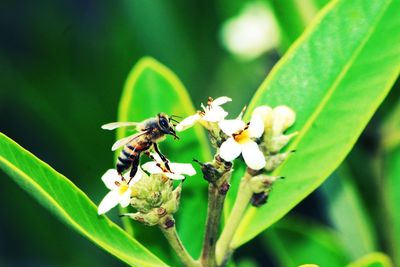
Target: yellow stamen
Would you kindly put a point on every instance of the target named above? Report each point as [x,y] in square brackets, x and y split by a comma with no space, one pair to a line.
[242,137]
[123,188]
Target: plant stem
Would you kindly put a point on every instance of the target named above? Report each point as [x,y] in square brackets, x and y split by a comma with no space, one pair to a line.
[216,198]
[172,236]
[224,250]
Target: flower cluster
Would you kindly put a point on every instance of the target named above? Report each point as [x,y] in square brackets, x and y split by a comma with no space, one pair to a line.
[149,193]
[154,198]
[257,141]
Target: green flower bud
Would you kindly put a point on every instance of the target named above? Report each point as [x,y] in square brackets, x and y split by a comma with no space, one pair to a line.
[278,142]
[261,183]
[146,218]
[154,198]
[273,161]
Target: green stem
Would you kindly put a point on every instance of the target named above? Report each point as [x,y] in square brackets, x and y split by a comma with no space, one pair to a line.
[224,250]
[172,236]
[216,198]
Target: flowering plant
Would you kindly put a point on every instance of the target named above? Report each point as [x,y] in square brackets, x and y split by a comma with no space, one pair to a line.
[300,125]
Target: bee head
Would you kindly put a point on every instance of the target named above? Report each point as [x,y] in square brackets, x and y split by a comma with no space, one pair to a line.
[165,125]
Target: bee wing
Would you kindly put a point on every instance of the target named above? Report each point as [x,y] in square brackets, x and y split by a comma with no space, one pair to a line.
[123,141]
[115,125]
[126,140]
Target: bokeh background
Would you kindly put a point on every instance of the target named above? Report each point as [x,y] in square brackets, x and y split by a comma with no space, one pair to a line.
[62,68]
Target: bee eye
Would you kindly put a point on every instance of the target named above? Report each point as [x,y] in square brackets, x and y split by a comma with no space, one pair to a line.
[164,123]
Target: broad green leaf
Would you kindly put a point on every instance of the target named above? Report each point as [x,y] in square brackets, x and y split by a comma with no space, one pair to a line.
[294,241]
[152,88]
[375,259]
[334,77]
[355,228]
[69,204]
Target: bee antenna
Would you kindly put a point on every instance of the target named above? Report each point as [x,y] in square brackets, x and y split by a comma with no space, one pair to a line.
[171,119]
[176,116]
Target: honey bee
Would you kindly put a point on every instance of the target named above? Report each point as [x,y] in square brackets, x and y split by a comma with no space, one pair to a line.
[150,132]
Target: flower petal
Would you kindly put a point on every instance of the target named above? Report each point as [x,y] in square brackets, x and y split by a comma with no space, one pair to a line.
[174,176]
[109,201]
[110,177]
[220,101]
[256,127]
[187,122]
[125,199]
[230,150]
[151,167]
[182,168]
[139,174]
[215,114]
[253,156]
[230,127]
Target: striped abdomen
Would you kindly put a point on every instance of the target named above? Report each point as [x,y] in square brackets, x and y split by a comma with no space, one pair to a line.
[129,156]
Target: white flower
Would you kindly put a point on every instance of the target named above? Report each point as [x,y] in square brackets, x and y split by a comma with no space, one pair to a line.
[211,113]
[241,141]
[120,190]
[177,169]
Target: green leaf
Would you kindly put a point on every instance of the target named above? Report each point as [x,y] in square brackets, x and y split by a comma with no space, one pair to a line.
[334,77]
[152,88]
[69,204]
[295,241]
[355,228]
[375,259]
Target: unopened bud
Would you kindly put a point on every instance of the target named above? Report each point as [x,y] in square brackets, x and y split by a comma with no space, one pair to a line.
[260,183]
[279,141]
[272,162]
[283,118]
[150,218]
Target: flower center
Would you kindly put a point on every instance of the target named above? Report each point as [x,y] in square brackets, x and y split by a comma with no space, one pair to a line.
[123,187]
[242,137]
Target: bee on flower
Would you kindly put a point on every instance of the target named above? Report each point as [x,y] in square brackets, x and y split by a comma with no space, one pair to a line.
[123,189]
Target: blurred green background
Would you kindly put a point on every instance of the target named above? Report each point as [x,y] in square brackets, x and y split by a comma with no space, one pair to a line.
[62,68]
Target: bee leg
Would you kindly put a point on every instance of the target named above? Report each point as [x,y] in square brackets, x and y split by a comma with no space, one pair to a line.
[164,159]
[134,168]
[150,156]
[121,168]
